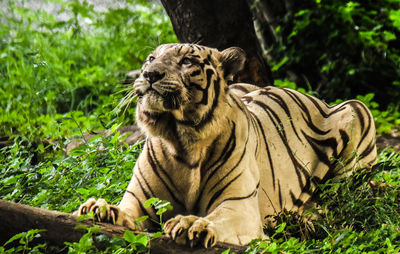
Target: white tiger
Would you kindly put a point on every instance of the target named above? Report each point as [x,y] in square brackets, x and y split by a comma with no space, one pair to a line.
[227,156]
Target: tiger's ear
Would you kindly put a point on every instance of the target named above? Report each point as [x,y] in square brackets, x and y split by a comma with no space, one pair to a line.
[233,60]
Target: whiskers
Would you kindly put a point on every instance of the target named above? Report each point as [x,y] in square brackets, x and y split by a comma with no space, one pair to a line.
[126,101]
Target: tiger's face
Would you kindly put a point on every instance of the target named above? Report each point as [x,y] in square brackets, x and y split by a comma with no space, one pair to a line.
[184,81]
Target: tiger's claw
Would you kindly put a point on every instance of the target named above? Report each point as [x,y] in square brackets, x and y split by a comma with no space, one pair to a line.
[191,229]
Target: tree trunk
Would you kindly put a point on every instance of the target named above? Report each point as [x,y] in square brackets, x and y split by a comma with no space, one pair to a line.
[60,228]
[221,24]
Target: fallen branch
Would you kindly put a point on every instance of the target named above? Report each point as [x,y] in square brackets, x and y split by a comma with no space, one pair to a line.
[60,228]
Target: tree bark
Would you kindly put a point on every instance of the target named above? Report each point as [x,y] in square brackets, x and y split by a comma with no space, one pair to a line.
[60,228]
[221,24]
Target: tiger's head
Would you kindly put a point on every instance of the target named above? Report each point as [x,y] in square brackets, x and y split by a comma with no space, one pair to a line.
[183,84]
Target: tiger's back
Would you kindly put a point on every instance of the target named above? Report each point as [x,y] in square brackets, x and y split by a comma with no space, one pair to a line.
[303,142]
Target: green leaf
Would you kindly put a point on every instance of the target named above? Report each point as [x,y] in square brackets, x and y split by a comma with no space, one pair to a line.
[129,236]
[389,36]
[142,218]
[280,64]
[281,228]
[351,72]
[150,202]
[15,237]
[82,217]
[142,240]
[394,15]
[156,235]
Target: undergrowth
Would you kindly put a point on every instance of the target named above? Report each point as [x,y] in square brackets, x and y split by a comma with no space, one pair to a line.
[75,68]
[354,217]
[62,79]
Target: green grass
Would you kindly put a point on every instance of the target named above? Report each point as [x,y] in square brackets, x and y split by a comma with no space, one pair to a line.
[59,80]
[51,69]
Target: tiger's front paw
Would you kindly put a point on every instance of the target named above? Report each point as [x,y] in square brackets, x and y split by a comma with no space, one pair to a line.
[191,229]
[104,212]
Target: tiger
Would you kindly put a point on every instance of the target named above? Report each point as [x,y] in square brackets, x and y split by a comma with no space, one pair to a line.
[229,155]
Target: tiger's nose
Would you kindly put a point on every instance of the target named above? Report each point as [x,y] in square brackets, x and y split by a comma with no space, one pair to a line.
[153,76]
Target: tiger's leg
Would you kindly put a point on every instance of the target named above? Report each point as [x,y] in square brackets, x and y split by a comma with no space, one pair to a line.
[232,221]
[104,212]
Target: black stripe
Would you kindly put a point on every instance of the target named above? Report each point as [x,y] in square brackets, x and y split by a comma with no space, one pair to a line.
[195,73]
[196,86]
[279,194]
[209,74]
[154,167]
[308,118]
[229,147]
[196,46]
[354,105]
[179,49]
[257,131]
[297,202]
[316,104]
[250,119]
[280,101]
[307,188]
[144,210]
[235,100]
[147,196]
[254,193]
[314,143]
[362,120]
[138,171]
[370,148]
[260,127]
[165,154]
[230,171]
[209,153]
[345,140]
[205,91]
[281,132]
[220,191]
[225,154]
[240,88]
[207,116]
[227,150]
[209,57]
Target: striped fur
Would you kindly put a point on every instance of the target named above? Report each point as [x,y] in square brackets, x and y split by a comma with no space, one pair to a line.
[226,157]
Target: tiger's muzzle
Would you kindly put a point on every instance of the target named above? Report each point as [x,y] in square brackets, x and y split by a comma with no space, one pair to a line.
[156,92]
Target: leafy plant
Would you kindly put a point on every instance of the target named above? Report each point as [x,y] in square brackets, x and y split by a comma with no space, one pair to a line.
[354,217]
[160,205]
[131,242]
[340,48]
[44,176]
[51,68]
[24,239]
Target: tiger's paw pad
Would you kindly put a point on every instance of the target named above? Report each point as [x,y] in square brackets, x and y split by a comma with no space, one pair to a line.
[191,230]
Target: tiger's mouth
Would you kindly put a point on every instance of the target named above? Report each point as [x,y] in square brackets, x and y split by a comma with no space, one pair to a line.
[151,101]
[158,99]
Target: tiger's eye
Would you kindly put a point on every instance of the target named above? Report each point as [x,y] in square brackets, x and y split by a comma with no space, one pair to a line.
[186,61]
[151,59]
